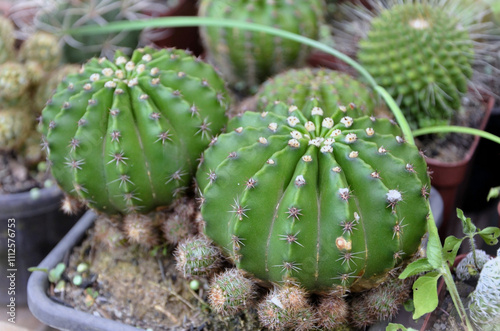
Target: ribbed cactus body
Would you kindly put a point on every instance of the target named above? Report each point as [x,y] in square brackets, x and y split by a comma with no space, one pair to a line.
[298,86]
[484,305]
[422,56]
[314,195]
[248,58]
[124,135]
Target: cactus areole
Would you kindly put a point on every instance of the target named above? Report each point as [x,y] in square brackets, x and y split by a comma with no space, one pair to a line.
[124,135]
[314,196]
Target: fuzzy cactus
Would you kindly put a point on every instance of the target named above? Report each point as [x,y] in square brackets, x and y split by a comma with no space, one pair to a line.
[248,58]
[197,256]
[484,304]
[42,48]
[467,267]
[298,86]
[231,292]
[6,39]
[14,82]
[15,127]
[423,56]
[124,135]
[314,196]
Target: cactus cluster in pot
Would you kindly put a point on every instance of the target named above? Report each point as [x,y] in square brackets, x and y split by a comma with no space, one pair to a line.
[24,76]
[315,197]
[123,136]
[248,58]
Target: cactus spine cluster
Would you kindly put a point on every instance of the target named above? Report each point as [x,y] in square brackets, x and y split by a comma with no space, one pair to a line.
[123,135]
[310,194]
[423,56]
[248,58]
[484,305]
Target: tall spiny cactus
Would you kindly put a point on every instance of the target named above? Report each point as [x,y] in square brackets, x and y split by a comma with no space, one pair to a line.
[124,135]
[248,58]
[322,197]
[423,56]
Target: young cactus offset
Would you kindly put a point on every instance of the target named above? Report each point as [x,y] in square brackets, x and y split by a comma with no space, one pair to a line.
[317,196]
[423,56]
[7,39]
[247,58]
[124,135]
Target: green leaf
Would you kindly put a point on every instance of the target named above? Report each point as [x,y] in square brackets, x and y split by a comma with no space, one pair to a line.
[425,296]
[416,267]
[434,248]
[494,192]
[31,269]
[398,327]
[451,247]
[56,273]
[468,227]
[490,235]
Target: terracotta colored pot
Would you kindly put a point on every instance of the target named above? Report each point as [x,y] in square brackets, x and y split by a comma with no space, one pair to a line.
[447,176]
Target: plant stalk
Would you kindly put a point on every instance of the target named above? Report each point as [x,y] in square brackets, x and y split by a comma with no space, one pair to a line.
[452,289]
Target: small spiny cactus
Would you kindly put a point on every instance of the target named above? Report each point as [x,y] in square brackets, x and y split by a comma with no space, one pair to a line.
[230,292]
[197,256]
[14,82]
[484,305]
[180,223]
[286,307]
[423,56]
[332,311]
[123,136]
[140,229]
[248,58]
[309,195]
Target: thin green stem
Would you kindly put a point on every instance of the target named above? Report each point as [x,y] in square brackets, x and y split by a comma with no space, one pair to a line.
[456,129]
[183,21]
[450,284]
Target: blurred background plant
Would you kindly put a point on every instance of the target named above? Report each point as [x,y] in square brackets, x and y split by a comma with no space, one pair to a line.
[56,16]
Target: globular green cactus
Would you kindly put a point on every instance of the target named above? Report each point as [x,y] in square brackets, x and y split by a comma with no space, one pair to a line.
[124,135]
[42,48]
[15,126]
[52,79]
[248,58]
[321,197]
[484,304]
[6,39]
[422,55]
[298,86]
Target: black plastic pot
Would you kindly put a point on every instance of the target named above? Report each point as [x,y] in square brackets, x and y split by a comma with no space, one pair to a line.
[39,226]
[66,318]
[54,314]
